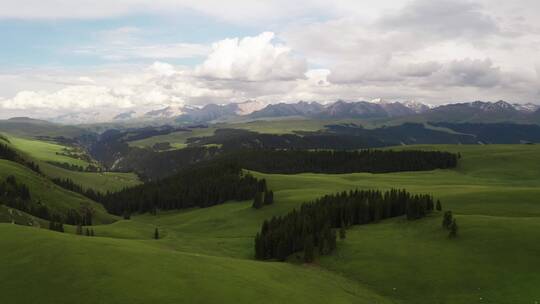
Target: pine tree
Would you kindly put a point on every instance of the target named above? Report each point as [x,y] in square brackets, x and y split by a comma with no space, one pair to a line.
[79,230]
[269,197]
[156,234]
[258,200]
[447,219]
[453,229]
[342,233]
[309,250]
[439,207]
[87,232]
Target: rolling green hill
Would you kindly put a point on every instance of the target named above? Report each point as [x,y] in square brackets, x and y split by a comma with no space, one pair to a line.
[104,270]
[206,255]
[55,198]
[45,152]
[28,127]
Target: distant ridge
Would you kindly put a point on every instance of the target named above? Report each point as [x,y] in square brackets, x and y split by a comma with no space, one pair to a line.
[475,111]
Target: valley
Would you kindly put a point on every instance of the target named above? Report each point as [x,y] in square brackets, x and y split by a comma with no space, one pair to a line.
[492,192]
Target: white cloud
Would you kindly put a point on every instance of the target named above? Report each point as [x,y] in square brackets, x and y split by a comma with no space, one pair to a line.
[436,51]
[251,59]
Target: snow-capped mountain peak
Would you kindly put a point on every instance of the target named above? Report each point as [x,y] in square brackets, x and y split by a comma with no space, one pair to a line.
[249,106]
[167,112]
[527,107]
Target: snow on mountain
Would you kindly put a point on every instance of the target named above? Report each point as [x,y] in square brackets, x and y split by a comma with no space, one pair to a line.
[167,112]
[249,106]
[527,107]
[416,106]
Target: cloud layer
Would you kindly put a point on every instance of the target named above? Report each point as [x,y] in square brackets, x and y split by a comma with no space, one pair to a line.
[433,51]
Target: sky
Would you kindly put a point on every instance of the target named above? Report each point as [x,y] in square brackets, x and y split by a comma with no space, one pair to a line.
[65,56]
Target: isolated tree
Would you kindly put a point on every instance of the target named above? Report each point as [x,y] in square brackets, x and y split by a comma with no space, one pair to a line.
[309,250]
[91,232]
[269,197]
[447,219]
[453,229]
[87,232]
[79,230]
[342,233]
[156,234]
[258,200]
[439,207]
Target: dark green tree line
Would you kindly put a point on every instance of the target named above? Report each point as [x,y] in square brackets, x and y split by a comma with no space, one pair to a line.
[315,223]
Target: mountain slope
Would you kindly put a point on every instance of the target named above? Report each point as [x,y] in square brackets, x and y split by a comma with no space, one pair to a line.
[105,270]
[28,127]
[55,198]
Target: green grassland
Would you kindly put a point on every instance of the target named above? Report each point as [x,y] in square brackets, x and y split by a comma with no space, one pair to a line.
[176,139]
[206,255]
[54,197]
[44,152]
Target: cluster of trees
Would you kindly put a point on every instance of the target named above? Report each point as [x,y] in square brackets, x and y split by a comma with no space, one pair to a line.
[374,161]
[17,195]
[202,185]
[263,196]
[8,153]
[82,217]
[56,223]
[449,223]
[73,167]
[80,229]
[70,185]
[313,226]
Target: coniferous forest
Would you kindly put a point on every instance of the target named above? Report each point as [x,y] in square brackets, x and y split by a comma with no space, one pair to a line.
[373,161]
[313,226]
[202,185]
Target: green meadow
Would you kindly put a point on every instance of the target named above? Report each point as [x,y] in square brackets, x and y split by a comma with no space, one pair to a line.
[177,140]
[206,255]
[44,152]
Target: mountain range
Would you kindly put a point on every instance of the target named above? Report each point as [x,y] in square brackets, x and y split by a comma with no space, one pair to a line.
[477,111]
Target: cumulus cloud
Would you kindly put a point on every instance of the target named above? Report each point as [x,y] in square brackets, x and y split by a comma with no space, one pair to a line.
[422,69]
[469,72]
[435,51]
[252,59]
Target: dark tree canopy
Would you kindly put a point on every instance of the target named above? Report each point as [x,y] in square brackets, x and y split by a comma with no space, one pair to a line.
[202,185]
[315,222]
[373,161]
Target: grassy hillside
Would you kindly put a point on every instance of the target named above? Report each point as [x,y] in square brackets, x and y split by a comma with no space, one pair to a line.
[205,255]
[27,127]
[55,198]
[45,152]
[104,270]
[177,140]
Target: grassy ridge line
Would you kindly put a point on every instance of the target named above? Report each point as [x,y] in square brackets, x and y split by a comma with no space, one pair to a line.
[43,152]
[494,259]
[54,197]
[102,270]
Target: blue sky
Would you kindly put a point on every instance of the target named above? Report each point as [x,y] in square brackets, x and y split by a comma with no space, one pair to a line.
[61,56]
[32,43]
